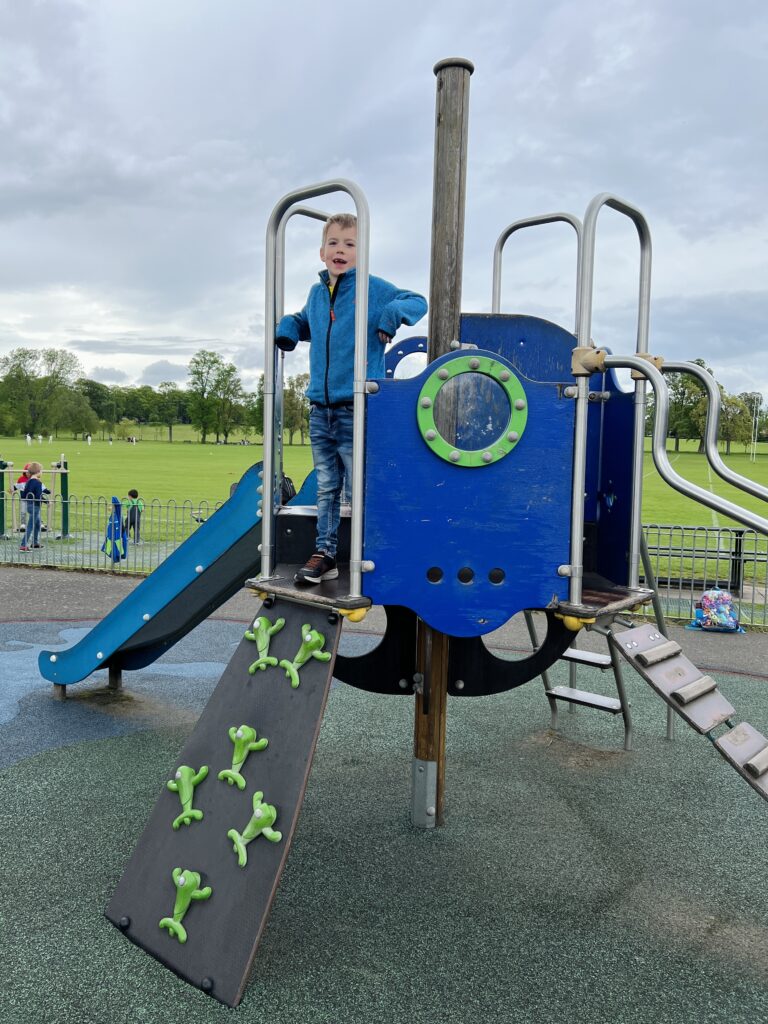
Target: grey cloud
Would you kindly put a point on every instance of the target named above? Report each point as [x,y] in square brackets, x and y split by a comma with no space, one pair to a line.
[107,375]
[163,370]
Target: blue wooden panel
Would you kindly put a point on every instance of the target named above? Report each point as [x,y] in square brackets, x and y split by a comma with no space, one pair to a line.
[614,493]
[537,348]
[422,513]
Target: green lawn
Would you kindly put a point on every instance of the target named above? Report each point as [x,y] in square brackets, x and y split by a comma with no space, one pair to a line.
[194,472]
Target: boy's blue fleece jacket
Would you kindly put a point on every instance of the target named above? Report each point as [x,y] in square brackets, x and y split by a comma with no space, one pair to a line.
[328,322]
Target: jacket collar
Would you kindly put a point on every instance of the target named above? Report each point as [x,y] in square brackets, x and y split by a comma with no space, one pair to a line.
[325,277]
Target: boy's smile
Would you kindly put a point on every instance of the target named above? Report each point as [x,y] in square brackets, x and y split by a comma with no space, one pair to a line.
[340,251]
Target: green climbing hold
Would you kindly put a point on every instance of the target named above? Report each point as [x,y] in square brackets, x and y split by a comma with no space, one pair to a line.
[245,740]
[261,823]
[187,889]
[184,783]
[311,647]
[261,634]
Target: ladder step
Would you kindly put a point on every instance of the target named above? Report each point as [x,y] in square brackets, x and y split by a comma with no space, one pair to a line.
[662,652]
[692,691]
[586,699]
[747,751]
[592,658]
[662,663]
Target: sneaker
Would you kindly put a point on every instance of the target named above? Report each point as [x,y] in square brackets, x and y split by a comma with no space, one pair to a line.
[37,545]
[23,548]
[319,567]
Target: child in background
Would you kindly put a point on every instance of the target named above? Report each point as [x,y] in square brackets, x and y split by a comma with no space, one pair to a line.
[133,519]
[328,323]
[33,497]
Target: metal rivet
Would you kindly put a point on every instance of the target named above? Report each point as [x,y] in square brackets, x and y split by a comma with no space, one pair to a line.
[474,364]
[259,548]
[487,457]
[431,435]
[307,638]
[371,387]
[513,436]
[430,812]
[54,658]
[259,489]
[459,684]
[403,684]
[426,403]
[420,769]
[207,984]
[198,569]
[443,374]
[99,655]
[520,403]
[454,456]
[146,616]
[455,345]
[124,922]
[504,375]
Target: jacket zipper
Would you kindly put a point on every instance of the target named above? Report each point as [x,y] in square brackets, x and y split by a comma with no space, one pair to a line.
[331,321]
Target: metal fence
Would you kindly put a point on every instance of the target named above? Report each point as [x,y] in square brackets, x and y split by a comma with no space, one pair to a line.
[686,560]
[163,527]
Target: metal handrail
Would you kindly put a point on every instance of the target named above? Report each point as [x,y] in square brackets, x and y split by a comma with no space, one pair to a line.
[659,448]
[527,222]
[714,406]
[361,335]
[305,211]
[584,334]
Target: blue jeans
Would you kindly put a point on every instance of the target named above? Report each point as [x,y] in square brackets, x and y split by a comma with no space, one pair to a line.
[32,530]
[330,434]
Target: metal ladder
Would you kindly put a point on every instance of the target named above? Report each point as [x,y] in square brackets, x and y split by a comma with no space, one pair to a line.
[571,695]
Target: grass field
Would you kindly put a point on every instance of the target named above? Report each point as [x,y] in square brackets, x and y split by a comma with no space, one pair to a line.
[194,472]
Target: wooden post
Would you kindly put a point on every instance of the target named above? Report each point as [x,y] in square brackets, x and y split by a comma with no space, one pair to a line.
[449,188]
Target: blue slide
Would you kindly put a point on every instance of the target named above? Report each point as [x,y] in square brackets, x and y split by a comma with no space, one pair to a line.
[208,569]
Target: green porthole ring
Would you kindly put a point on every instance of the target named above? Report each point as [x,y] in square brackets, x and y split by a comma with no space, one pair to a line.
[509,436]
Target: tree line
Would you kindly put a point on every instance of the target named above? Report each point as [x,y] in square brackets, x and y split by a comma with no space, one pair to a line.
[44,391]
[742,417]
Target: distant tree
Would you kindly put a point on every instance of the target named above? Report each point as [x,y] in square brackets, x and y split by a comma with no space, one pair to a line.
[296,407]
[32,382]
[169,406]
[687,400]
[228,396]
[204,368]
[72,411]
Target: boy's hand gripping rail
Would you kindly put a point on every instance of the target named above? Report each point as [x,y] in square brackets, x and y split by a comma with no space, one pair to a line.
[714,406]
[361,334]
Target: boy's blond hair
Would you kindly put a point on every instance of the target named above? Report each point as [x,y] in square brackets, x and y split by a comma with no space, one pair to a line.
[34,467]
[344,220]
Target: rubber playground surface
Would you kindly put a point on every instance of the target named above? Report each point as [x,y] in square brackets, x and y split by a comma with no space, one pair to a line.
[573,881]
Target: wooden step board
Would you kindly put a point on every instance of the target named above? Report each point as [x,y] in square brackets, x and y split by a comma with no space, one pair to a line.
[746,750]
[663,665]
[197,890]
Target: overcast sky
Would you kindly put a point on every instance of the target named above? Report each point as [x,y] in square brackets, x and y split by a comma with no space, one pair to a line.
[143,145]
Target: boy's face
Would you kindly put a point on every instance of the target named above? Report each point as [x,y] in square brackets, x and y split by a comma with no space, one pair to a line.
[340,250]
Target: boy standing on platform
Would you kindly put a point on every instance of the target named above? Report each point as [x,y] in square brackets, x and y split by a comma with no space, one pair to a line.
[328,323]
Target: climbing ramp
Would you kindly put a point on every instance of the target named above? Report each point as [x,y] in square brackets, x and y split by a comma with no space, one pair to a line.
[697,699]
[197,890]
